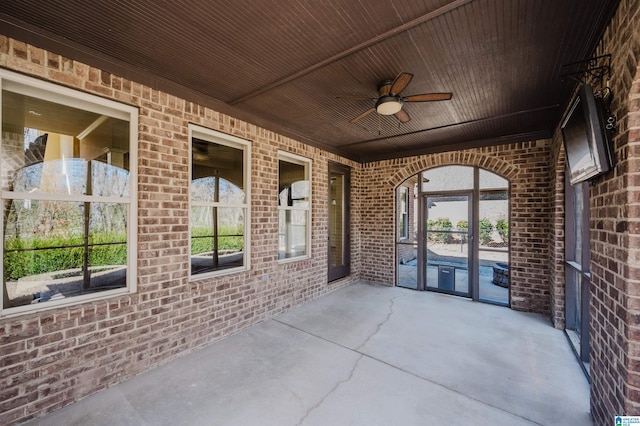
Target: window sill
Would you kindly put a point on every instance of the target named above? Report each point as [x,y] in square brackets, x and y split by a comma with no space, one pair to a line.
[63,303]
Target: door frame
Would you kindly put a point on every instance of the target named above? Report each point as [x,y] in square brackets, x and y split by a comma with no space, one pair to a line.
[472,255]
[344,270]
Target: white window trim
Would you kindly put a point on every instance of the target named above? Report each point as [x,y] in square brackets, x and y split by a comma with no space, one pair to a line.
[215,136]
[307,163]
[74,98]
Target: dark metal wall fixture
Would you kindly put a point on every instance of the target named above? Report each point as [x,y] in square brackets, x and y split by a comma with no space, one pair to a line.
[595,72]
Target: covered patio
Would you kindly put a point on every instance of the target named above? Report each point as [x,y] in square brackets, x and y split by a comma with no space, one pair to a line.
[367,355]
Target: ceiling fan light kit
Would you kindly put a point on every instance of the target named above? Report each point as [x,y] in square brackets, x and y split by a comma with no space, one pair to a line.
[388,105]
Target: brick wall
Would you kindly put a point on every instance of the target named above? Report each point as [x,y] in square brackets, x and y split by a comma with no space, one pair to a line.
[615,234]
[526,165]
[50,359]
[557,234]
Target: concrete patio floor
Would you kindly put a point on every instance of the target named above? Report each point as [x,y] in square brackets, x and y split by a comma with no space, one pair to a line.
[363,355]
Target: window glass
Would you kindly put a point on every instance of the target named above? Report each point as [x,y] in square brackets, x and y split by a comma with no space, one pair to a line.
[449,178]
[218,202]
[339,185]
[403,212]
[577,275]
[294,206]
[489,180]
[578,217]
[67,199]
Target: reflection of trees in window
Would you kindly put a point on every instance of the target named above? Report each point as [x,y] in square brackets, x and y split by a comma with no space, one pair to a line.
[216,189]
[216,232]
[51,236]
[55,217]
[224,221]
[218,204]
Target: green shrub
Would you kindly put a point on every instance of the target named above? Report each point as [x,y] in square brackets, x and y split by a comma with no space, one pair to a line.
[486,228]
[41,255]
[502,226]
[227,240]
[112,254]
[462,224]
[440,224]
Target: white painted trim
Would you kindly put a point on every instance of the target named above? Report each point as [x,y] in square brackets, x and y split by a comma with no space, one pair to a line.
[71,301]
[218,204]
[132,242]
[39,196]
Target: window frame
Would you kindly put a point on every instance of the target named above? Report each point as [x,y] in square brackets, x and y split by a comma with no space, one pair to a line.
[217,137]
[577,268]
[307,163]
[74,98]
[403,214]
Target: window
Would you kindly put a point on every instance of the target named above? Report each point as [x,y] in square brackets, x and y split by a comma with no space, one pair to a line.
[219,198]
[403,212]
[294,206]
[68,176]
[577,274]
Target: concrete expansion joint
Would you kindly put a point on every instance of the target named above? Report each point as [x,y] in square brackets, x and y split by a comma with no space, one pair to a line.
[335,388]
[381,324]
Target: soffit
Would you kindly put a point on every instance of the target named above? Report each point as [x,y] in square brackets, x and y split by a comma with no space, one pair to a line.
[283,64]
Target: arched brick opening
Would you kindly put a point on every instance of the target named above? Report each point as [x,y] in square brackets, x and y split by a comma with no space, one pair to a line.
[404,250]
[493,164]
[525,165]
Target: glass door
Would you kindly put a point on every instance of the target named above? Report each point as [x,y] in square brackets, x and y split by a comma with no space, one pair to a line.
[447,250]
[493,239]
[339,224]
[452,233]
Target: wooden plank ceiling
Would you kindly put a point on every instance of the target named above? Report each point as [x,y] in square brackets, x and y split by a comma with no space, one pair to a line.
[285,64]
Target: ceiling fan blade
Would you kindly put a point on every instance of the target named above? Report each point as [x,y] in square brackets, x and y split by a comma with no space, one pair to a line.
[402,116]
[428,97]
[363,115]
[357,98]
[401,81]
[384,88]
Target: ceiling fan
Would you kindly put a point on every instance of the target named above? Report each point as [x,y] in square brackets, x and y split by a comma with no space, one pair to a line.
[390,101]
